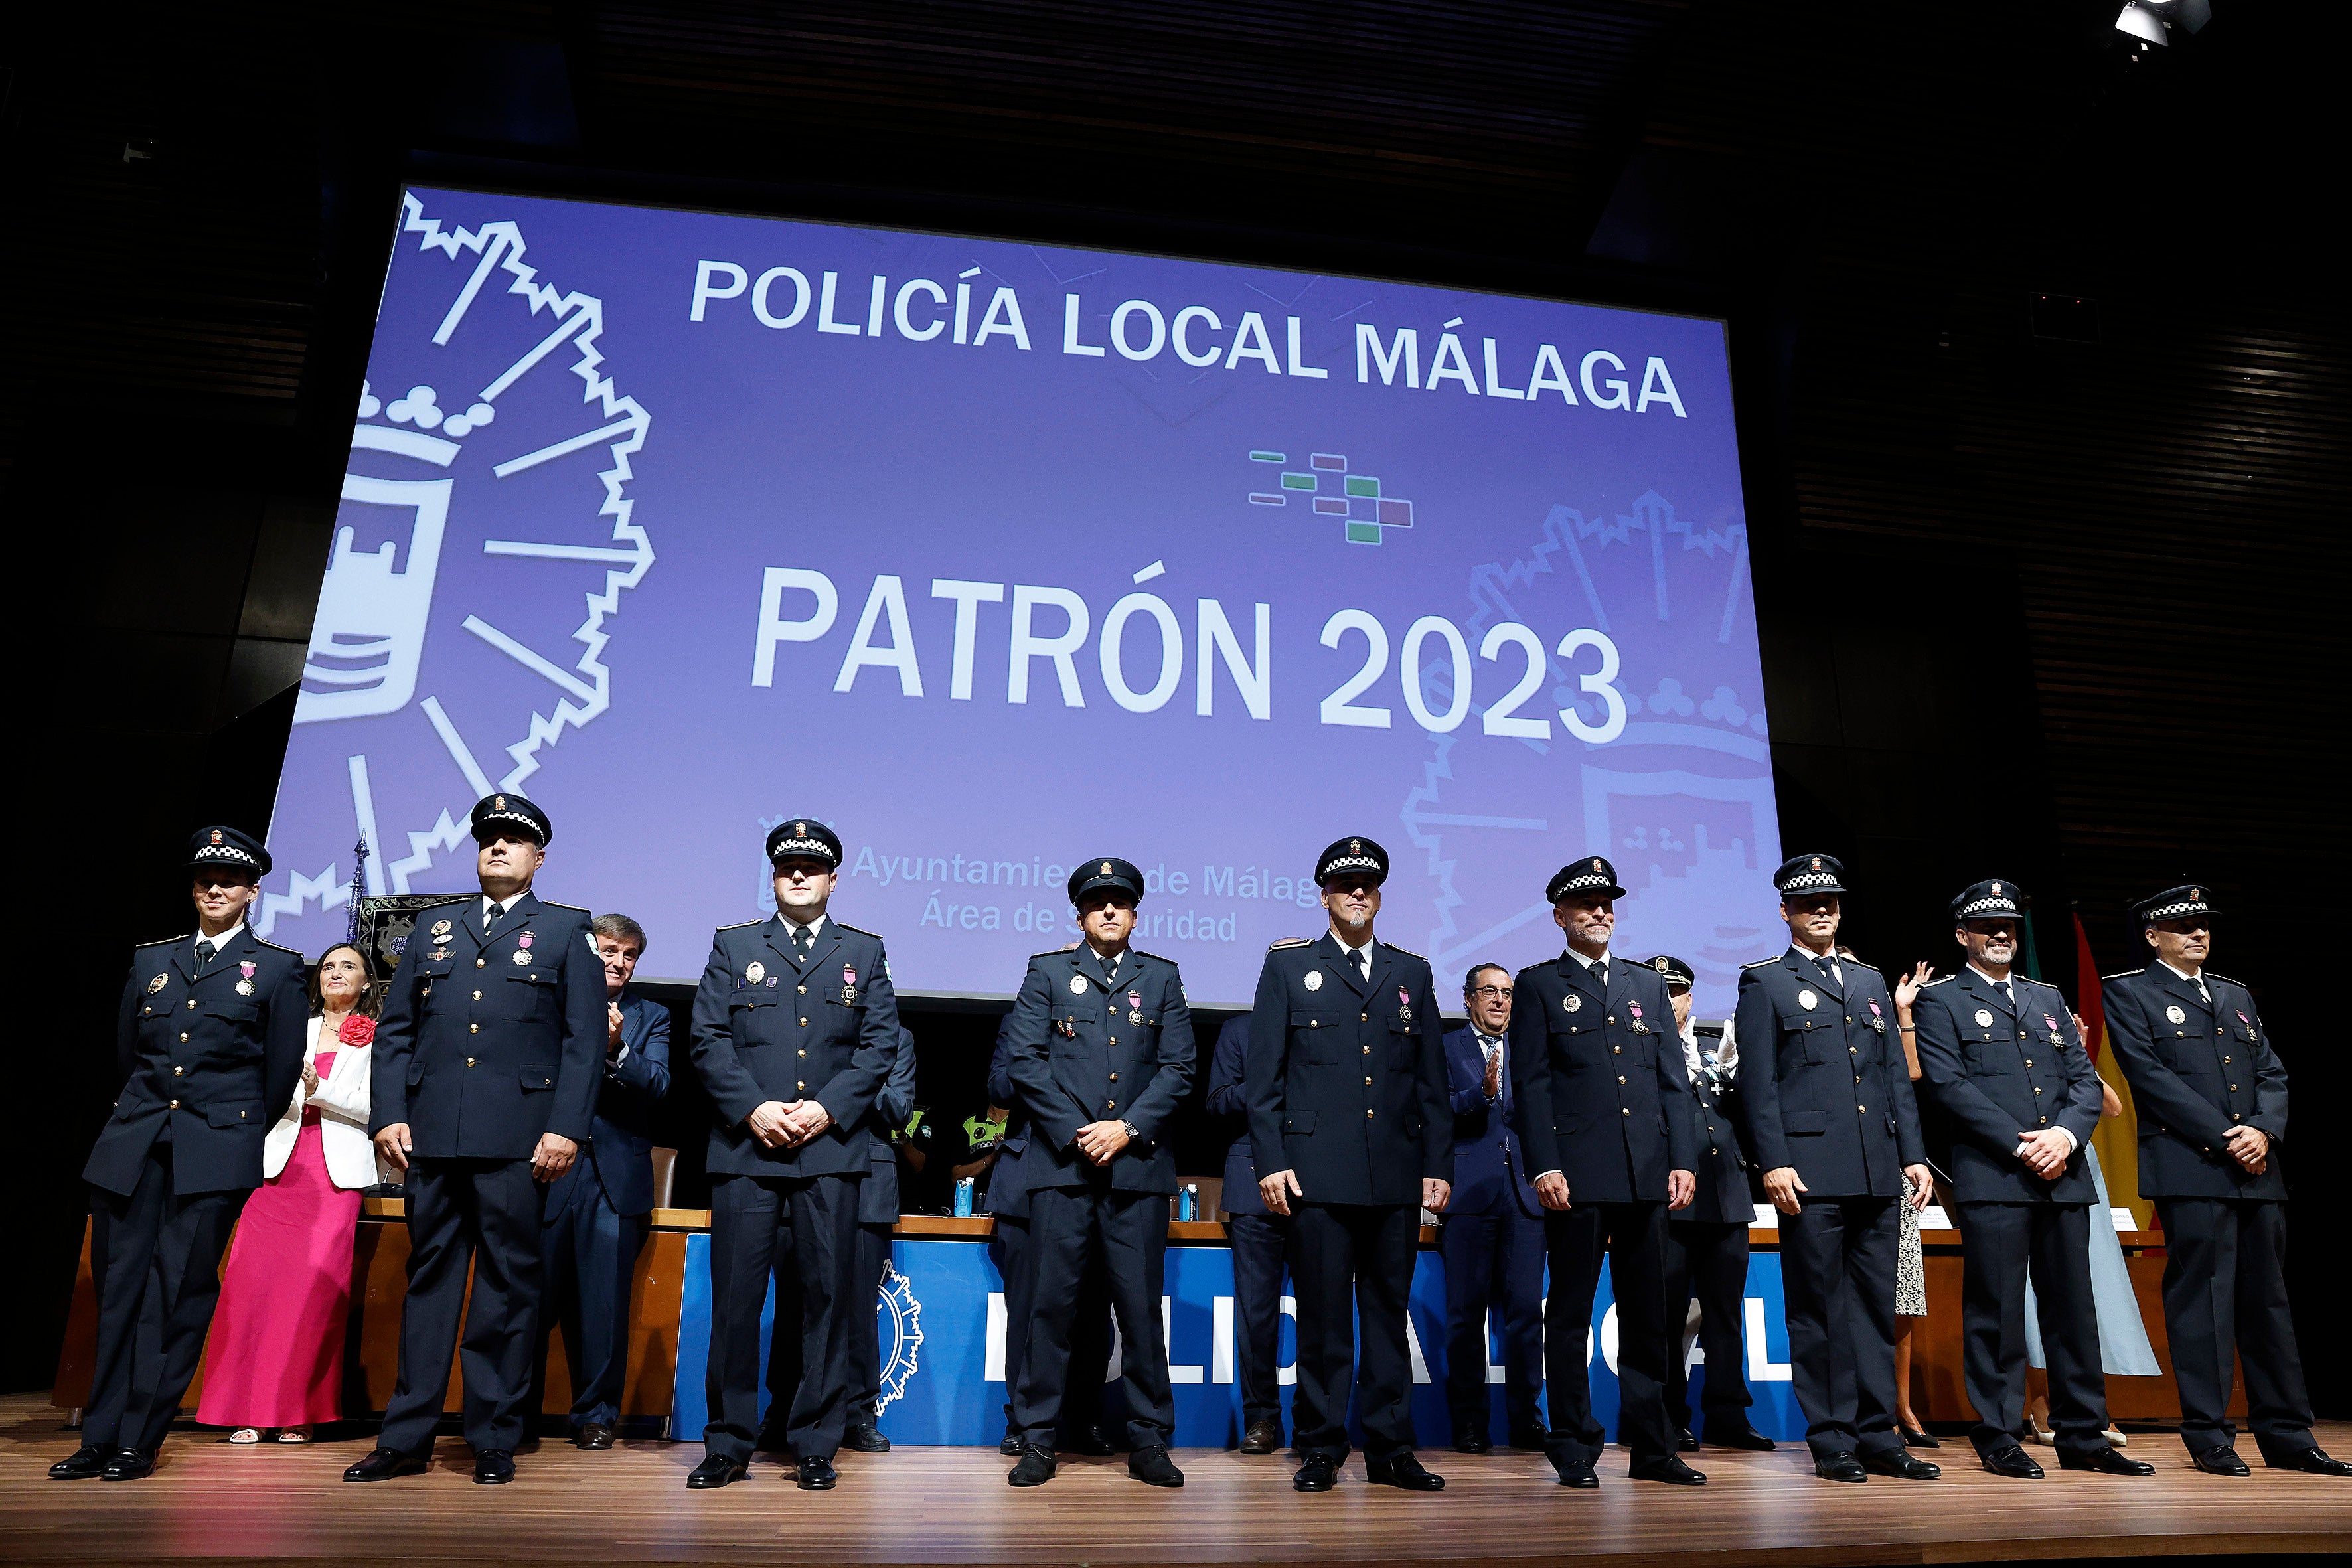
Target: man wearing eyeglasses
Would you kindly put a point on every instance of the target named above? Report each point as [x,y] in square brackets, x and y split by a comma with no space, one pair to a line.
[1493,1242]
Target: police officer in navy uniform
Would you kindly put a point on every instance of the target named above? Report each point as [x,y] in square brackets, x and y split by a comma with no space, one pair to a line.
[596,1210]
[1817,1034]
[1493,1242]
[795,1030]
[1706,1243]
[2211,1098]
[1260,1242]
[210,1039]
[1352,1132]
[485,1075]
[1102,1056]
[1605,1112]
[2002,1061]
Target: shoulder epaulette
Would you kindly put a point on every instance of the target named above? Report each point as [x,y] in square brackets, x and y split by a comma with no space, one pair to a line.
[280,946]
[1049,953]
[551,904]
[1762,962]
[1940,980]
[169,941]
[1406,950]
[2232,979]
[861,931]
[1141,954]
[2122,973]
[1858,964]
[738,925]
[1279,943]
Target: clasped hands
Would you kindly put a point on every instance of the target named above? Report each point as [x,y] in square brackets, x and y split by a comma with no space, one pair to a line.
[2046,1153]
[781,1124]
[2251,1147]
[1101,1141]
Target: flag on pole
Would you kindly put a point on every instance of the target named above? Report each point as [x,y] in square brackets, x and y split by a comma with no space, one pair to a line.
[2117,1137]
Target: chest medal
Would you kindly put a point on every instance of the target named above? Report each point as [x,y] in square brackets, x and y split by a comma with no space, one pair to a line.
[1573,1002]
[848,986]
[157,983]
[1077,985]
[1135,1007]
[1807,1000]
[1314,981]
[1405,1005]
[2174,1015]
[1984,1019]
[754,972]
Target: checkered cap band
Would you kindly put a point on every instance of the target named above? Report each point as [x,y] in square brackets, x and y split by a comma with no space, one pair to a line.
[2173,911]
[1988,906]
[222,855]
[1809,879]
[1348,863]
[1585,880]
[521,818]
[815,849]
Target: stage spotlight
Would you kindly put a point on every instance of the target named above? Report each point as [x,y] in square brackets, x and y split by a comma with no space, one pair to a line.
[2150,20]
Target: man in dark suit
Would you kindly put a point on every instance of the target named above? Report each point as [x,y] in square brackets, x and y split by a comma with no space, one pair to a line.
[1351,1126]
[484,1079]
[1706,1243]
[796,1030]
[1260,1242]
[2212,1101]
[1102,1056]
[596,1210]
[1493,1242]
[1605,1113]
[2002,1061]
[1816,1033]
[210,1039]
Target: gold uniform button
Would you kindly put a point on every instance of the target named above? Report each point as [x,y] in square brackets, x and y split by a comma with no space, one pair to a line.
[1114,1077]
[1367,1050]
[2043,1121]
[1853,1050]
[1367,1116]
[803,1023]
[192,1003]
[1863,1107]
[1857,1077]
[2233,1088]
[473,1028]
[1617,1050]
[1612,1017]
[177,1071]
[1363,1017]
[1368,1083]
[2037,1088]
[2225,1061]
[184,1038]
[801,1052]
[176,1105]
[2029,1061]
[1849,1017]
[470,1061]
[477,995]
[1621,1077]
[801,989]
[1623,1110]
[799,1086]
[2233,1115]
[482,963]
[1114,1039]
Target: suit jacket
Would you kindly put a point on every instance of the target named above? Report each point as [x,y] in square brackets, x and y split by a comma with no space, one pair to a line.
[1229,1099]
[620,1152]
[1995,1071]
[877,1200]
[1810,1047]
[1008,1185]
[2195,1072]
[1490,1174]
[1603,1098]
[767,1028]
[1725,1195]
[1347,1077]
[216,1058]
[1088,1048]
[341,1099]
[489,1040]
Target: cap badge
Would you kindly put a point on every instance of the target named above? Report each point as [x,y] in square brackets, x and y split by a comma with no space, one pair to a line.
[2174,1015]
[754,972]
[2194,895]
[1807,1000]
[1596,867]
[1106,869]
[1077,985]
[1659,963]
[1573,1002]
[800,830]
[1984,1019]
[1314,980]
[1355,847]
[1817,863]
[498,803]
[1996,887]
[156,985]
[216,836]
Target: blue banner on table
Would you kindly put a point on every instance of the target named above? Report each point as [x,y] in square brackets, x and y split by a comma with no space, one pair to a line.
[942,1320]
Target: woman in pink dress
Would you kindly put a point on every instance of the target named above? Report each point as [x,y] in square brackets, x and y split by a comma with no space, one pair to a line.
[274,1360]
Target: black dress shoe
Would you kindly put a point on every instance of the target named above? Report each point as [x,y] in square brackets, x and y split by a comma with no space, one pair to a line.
[1844,1466]
[2105,1461]
[1740,1437]
[1574,1468]
[1263,1437]
[1091,1441]
[385,1463]
[1684,1442]
[716,1471]
[2013,1461]
[864,1438]
[1152,1466]
[814,1475]
[2311,1462]
[1919,1440]
[2221,1461]
[1316,1474]
[1468,1442]
[1035,1468]
[493,1467]
[1404,1473]
[594,1436]
[83,1464]
[1011,1446]
[128,1465]
[1899,1462]
[1670,1470]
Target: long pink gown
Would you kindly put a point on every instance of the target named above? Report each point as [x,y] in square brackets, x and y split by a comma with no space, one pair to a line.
[276,1354]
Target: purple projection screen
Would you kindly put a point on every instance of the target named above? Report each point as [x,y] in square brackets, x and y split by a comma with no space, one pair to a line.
[998,558]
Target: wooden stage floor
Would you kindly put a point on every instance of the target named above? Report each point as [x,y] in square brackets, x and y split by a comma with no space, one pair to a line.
[215,1504]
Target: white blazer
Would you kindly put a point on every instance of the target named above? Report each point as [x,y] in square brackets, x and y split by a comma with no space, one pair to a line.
[342,1098]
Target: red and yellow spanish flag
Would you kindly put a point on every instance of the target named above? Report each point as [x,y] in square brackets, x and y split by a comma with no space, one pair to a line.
[2117,1138]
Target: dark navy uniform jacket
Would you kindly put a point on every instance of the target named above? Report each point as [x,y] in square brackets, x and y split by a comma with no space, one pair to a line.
[1825,1088]
[1229,1098]
[620,1152]
[877,1200]
[1489,1171]
[1725,1195]
[1087,1049]
[2196,1072]
[216,1059]
[767,1028]
[1996,1071]
[488,1041]
[1347,1079]
[1603,1098]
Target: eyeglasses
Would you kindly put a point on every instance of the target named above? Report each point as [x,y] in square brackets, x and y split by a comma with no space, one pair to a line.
[1499,992]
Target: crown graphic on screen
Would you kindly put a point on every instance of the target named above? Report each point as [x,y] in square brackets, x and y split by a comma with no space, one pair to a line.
[421,408]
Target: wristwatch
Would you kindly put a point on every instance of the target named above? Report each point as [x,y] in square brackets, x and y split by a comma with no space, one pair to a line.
[1134,1133]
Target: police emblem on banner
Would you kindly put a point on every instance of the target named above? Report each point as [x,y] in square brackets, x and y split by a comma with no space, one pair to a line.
[900,1326]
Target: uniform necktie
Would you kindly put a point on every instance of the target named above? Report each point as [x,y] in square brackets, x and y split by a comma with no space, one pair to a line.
[489,914]
[803,941]
[205,951]
[1363,957]
[1829,969]
[2007,994]
[1601,974]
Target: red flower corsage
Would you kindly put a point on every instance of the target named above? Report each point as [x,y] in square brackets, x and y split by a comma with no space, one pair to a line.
[358,1030]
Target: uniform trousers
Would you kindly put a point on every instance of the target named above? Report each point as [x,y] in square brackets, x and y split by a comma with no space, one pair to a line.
[482,1215]
[155,1259]
[2224,1288]
[802,1233]
[1633,1239]
[1493,1260]
[864,1351]
[1352,1269]
[1126,1236]
[1261,1248]
[1707,1261]
[1089,1337]
[1837,1274]
[1998,1242]
[591,1265]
